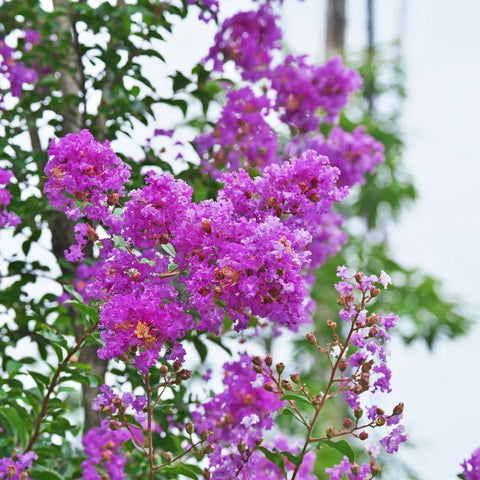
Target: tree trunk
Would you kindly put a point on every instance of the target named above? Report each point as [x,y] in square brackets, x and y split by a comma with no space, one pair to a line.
[336,20]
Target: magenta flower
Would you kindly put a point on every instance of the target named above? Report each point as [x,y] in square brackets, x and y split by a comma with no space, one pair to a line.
[6,218]
[471,466]
[11,469]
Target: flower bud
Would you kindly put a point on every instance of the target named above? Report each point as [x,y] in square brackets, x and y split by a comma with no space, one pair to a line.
[375,468]
[358,412]
[380,411]
[342,365]
[257,360]
[355,468]
[347,422]
[331,325]
[341,301]
[330,432]
[241,446]
[114,425]
[167,456]
[363,435]
[316,400]
[398,409]
[269,386]
[380,421]
[183,374]
[286,385]
[268,360]
[206,225]
[206,474]
[310,337]
[358,276]
[257,369]
[204,434]
[374,292]
[176,365]
[11,471]
[163,370]
[190,427]
[280,367]
[295,378]
[209,449]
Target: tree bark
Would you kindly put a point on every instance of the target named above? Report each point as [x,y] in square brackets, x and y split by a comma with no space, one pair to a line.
[336,21]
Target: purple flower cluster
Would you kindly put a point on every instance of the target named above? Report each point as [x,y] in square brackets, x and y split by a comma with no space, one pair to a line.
[107,399]
[260,468]
[85,178]
[241,138]
[247,39]
[302,89]
[471,467]
[208,9]
[14,70]
[11,469]
[6,218]
[352,470]
[236,417]
[105,457]
[355,154]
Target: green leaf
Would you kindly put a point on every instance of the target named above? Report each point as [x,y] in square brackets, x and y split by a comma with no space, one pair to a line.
[180,81]
[296,398]
[276,458]
[45,474]
[295,459]
[13,422]
[343,447]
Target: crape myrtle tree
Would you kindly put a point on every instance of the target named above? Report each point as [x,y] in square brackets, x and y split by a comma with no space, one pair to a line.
[221,237]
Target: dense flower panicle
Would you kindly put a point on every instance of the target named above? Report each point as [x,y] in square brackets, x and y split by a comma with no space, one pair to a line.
[85,172]
[355,154]
[11,469]
[139,325]
[471,466]
[150,216]
[236,416]
[247,39]
[302,89]
[241,138]
[208,9]
[105,455]
[6,218]
[253,268]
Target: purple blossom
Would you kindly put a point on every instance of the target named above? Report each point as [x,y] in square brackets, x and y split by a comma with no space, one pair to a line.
[345,467]
[242,137]
[392,441]
[11,469]
[6,218]
[104,454]
[471,466]
[208,9]
[247,39]
[302,89]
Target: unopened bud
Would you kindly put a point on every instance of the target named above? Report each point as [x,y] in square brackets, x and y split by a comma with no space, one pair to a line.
[347,422]
[375,468]
[355,468]
[286,385]
[176,365]
[295,377]
[330,432]
[331,325]
[374,292]
[206,225]
[358,412]
[363,435]
[24,475]
[257,360]
[314,197]
[257,369]
[398,409]
[342,365]
[241,446]
[269,386]
[380,411]
[190,427]
[112,198]
[280,367]
[114,425]
[204,434]
[163,370]
[206,474]
[11,471]
[380,421]
[316,400]
[268,360]
[167,456]
[209,449]
[74,359]
[310,337]
[183,374]
[341,301]
[358,276]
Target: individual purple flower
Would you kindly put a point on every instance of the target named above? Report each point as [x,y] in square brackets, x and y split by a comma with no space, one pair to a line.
[392,441]
[248,39]
[11,469]
[104,454]
[6,218]
[241,138]
[471,466]
[302,89]
[108,399]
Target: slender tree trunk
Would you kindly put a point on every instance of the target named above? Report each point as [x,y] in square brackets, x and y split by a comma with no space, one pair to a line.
[336,20]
